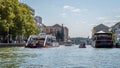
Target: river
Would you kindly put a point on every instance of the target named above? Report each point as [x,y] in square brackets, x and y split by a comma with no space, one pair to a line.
[60,57]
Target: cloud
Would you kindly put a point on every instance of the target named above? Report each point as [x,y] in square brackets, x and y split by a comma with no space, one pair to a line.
[71,9]
[84,9]
[109,21]
[102,18]
[76,10]
[68,7]
[63,15]
[84,22]
[117,10]
[117,16]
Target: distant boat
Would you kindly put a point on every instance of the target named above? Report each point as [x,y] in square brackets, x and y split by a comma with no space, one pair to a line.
[68,43]
[41,41]
[82,45]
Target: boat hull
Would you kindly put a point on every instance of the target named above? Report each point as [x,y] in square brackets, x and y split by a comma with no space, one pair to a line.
[30,46]
[82,46]
[40,47]
[103,44]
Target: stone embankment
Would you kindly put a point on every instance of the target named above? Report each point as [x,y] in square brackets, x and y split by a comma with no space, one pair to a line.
[12,44]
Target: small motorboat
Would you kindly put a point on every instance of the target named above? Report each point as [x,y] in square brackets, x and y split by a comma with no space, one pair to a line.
[82,45]
[68,43]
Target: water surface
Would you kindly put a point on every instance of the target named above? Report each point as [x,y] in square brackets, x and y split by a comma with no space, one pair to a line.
[59,57]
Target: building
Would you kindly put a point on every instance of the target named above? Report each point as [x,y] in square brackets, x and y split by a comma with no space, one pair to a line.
[78,40]
[51,29]
[116,30]
[100,27]
[66,34]
[115,27]
[57,28]
[48,30]
[38,21]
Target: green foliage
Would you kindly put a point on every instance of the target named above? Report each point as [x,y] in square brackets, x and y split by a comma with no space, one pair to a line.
[16,18]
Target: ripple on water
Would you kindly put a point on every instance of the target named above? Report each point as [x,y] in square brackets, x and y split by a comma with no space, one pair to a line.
[60,57]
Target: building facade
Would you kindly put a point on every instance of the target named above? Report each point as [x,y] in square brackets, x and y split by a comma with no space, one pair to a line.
[100,27]
[78,40]
[66,34]
[40,25]
[56,28]
[38,19]
[116,30]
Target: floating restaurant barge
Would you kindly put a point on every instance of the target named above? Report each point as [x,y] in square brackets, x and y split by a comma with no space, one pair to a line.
[102,40]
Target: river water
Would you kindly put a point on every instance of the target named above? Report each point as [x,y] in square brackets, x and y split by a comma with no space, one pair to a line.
[60,57]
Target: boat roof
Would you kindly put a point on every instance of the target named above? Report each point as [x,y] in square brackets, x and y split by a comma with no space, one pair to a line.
[101,31]
[42,36]
[68,41]
[103,34]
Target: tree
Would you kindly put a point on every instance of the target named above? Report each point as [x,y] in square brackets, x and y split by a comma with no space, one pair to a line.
[6,15]
[16,18]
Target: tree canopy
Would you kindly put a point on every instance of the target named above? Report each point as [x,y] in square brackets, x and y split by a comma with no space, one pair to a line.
[16,18]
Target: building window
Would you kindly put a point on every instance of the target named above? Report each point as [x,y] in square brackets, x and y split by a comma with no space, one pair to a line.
[119,27]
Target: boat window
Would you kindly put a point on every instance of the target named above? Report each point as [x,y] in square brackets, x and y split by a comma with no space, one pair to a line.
[103,37]
[40,41]
[49,39]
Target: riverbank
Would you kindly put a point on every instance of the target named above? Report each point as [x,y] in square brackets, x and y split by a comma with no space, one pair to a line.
[12,44]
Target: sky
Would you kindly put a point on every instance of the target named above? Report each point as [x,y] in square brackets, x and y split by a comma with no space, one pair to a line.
[79,16]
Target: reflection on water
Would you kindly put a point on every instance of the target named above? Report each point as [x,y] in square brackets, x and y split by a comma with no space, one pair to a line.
[61,57]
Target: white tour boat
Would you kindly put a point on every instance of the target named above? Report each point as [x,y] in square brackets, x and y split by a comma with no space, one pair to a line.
[41,41]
